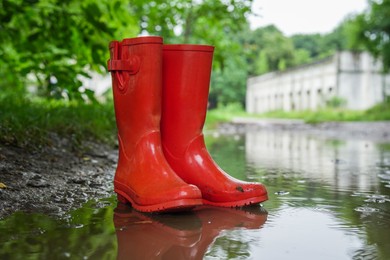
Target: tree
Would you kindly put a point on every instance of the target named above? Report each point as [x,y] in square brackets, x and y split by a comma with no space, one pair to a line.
[262,63]
[319,46]
[309,42]
[53,42]
[228,85]
[372,30]
[197,22]
[208,22]
[301,56]
[268,50]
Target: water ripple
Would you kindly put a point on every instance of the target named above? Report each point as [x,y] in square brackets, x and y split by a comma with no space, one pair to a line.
[384,176]
[375,198]
[282,193]
[365,209]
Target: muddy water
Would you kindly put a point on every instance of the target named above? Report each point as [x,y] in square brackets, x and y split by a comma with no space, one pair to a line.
[329,199]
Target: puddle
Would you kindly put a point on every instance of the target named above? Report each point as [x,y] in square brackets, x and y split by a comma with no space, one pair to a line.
[329,199]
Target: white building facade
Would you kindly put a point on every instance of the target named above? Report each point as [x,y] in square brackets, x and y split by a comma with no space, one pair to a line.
[355,77]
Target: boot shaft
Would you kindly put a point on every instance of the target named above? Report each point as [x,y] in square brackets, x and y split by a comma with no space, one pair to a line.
[186,80]
[136,69]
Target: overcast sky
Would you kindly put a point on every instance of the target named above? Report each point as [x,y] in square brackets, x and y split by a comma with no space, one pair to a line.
[303,16]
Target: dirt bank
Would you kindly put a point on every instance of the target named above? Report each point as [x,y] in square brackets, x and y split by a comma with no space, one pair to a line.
[54,179]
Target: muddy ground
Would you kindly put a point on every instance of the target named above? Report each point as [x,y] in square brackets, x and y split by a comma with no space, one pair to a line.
[54,179]
[57,178]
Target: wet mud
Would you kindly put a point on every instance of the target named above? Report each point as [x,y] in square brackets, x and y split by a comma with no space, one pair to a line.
[55,179]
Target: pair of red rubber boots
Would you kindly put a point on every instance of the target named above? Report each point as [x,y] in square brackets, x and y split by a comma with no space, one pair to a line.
[160,98]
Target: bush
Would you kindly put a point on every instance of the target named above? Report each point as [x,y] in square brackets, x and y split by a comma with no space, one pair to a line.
[336,102]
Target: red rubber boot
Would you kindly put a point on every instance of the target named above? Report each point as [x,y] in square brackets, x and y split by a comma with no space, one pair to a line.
[186,78]
[143,176]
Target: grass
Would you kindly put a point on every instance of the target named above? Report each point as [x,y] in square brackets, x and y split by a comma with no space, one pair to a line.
[380,112]
[224,114]
[31,122]
[322,115]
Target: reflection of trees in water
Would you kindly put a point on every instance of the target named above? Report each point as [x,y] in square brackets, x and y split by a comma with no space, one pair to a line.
[228,153]
[232,245]
[86,232]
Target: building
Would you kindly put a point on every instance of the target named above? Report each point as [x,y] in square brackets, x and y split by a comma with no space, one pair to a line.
[354,77]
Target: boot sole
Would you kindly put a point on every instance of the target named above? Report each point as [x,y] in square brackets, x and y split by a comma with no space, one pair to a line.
[170,206]
[240,203]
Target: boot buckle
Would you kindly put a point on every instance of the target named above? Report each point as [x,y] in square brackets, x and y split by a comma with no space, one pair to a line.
[131,65]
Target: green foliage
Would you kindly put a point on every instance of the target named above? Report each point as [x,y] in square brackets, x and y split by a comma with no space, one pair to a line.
[267,49]
[302,56]
[261,64]
[371,30]
[318,46]
[282,65]
[224,113]
[321,115]
[53,42]
[204,22]
[271,47]
[336,102]
[379,112]
[352,33]
[229,85]
[309,42]
[196,22]
[58,42]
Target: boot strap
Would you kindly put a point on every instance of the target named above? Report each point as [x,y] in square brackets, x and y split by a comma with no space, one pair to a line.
[132,65]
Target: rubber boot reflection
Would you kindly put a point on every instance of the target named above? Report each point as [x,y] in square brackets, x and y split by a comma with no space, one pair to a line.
[185,235]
